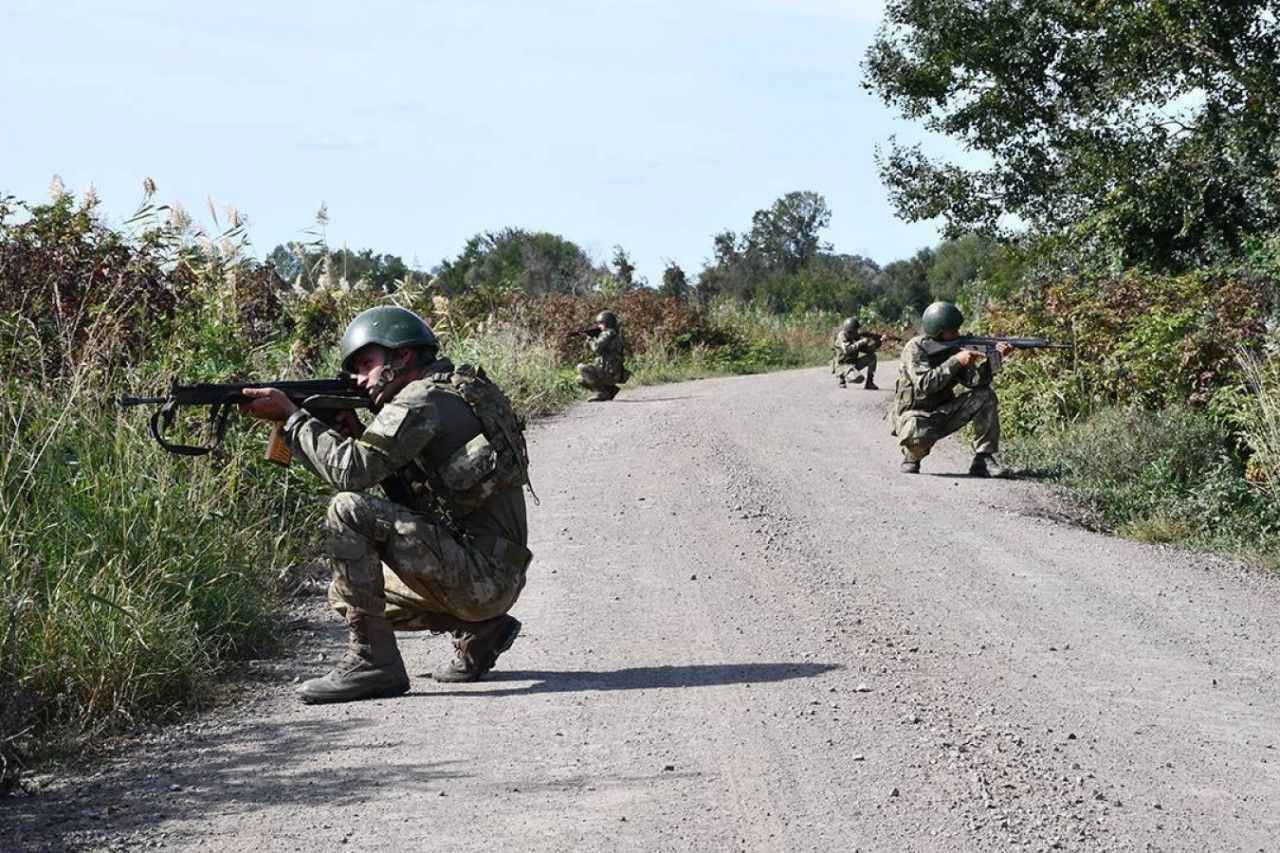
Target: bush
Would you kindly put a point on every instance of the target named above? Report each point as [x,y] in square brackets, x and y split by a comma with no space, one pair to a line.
[1160,475]
[1145,340]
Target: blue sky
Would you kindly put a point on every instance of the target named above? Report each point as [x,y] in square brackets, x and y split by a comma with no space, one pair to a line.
[647,123]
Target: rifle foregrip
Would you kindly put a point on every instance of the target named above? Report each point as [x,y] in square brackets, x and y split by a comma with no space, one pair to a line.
[277,448]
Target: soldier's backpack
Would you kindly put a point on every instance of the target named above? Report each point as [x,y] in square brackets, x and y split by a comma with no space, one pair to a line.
[494,460]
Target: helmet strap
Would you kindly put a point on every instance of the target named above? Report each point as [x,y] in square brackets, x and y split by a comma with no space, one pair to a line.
[390,373]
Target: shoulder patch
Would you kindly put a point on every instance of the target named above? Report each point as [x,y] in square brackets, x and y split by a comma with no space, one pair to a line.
[381,434]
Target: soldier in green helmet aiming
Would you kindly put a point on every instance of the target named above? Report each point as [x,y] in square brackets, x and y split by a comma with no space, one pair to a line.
[927,407]
[855,350]
[607,371]
[444,548]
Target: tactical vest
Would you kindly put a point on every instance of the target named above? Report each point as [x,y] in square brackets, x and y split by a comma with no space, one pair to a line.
[491,462]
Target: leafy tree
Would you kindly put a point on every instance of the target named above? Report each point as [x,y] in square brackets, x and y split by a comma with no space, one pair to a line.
[674,282]
[381,271]
[535,262]
[783,240]
[785,236]
[904,285]
[624,270]
[959,263]
[1145,132]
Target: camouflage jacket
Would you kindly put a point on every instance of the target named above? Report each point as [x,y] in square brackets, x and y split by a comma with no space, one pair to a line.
[849,344]
[420,428]
[926,381]
[608,346]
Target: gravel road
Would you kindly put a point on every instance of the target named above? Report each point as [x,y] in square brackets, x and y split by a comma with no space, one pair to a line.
[745,630]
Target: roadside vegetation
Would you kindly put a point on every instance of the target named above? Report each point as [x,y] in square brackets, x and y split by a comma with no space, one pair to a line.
[132,577]
[1135,147]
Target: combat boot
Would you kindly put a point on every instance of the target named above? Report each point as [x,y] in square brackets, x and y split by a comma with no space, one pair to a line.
[871,385]
[985,465]
[478,648]
[910,466]
[841,381]
[370,669]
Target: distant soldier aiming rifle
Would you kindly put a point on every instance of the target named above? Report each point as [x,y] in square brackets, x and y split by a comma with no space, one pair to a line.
[608,371]
[933,367]
[854,349]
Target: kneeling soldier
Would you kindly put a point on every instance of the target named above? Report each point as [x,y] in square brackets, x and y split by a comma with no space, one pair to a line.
[445,549]
[607,372]
[927,407]
[855,350]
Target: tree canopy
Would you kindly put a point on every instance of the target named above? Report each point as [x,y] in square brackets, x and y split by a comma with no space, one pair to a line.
[535,262]
[1148,132]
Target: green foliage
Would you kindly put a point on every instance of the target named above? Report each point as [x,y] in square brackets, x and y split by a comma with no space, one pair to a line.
[535,262]
[782,264]
[956,265]
[1139,339]
[1137,133]
[298,263]
[783,241]
[141,571]
[1166,475]
[675,282]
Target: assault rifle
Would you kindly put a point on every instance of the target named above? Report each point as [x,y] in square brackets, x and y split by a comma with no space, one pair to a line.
[589,331]
[323,398]
[988,344]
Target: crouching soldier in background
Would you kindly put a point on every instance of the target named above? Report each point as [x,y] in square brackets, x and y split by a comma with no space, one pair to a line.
[855,350]
[444,550]
[927,407]
[607,372]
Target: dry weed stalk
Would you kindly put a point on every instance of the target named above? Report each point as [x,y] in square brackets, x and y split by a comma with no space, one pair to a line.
[1263,428]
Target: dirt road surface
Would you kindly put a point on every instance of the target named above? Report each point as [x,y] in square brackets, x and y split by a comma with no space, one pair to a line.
[745,630]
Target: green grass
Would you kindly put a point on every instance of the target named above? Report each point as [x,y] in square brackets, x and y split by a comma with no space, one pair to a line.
[135,574]
[1168,477]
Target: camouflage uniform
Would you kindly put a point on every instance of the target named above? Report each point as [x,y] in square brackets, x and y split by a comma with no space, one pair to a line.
[927,407]
[402,557]
[856,349]
[608,371]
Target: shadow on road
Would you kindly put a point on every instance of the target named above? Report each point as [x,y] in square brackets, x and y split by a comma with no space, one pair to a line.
[652,399]
[639,678]
[236,769]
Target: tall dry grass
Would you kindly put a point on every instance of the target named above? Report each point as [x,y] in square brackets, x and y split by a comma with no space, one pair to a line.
[1261,420]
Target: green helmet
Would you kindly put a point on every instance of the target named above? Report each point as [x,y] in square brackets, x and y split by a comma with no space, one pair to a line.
[608,319]
[941,317]
[389,326]
[850,324]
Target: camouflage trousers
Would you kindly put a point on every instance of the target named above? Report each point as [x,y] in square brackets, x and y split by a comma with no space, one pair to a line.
[852,364]
[595,378]
[919,431]
[389,561]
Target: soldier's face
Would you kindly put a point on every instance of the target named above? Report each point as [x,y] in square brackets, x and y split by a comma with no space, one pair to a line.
[367,365]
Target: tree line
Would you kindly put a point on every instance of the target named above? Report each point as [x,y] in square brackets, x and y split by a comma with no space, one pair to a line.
[780,263]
